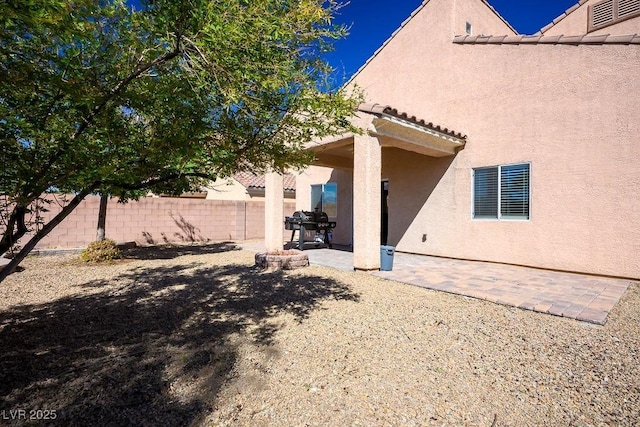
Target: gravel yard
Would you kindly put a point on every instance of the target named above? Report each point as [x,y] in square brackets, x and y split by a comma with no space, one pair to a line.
[199,336]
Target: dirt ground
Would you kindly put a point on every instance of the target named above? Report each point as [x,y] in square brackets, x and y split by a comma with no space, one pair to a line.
[199,336]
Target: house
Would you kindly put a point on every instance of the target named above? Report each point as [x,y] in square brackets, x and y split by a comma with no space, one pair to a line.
[483,144]
[242,186]
[246,186]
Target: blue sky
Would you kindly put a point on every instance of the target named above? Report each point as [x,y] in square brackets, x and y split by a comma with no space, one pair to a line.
[385,16]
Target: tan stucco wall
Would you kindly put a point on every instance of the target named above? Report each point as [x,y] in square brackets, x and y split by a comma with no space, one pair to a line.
[483,19]
[227,189]
[273,212]
[576,23]
[231,189]
[573,24]
[343,234]
[571,111]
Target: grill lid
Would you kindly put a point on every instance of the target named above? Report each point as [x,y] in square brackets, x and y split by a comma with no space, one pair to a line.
[308,216]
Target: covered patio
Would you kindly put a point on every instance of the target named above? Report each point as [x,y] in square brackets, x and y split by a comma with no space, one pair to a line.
[575,296]
[382,127]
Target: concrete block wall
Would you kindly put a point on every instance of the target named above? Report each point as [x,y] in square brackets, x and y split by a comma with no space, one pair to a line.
[154,220]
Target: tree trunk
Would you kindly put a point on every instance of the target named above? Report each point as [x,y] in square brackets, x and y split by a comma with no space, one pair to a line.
[102,217]
[9,268]
[15,229]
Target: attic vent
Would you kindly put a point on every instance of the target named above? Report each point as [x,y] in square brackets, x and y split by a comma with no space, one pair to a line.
[609,12]
[602,13]
[628,7]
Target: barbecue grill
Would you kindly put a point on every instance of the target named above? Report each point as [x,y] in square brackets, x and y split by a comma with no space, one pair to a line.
[303,221]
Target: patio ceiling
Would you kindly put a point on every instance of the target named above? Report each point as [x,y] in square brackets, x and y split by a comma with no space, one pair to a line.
[393,129]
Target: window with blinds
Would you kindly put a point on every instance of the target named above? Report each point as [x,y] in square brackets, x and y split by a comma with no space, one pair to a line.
[502,192]
[485,193]
[609,12]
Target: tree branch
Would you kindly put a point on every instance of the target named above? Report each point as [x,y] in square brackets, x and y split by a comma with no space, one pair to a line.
[123,84]
[156,181]
[118,88]
[9,268]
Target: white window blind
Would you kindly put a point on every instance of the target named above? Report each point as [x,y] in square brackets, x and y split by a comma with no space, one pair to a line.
[485,193]
[514,191]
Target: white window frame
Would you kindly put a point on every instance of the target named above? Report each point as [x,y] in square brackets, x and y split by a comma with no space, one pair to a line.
[499,215]
[468,28]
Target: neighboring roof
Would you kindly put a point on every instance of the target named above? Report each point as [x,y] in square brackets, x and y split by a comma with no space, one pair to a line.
[380,109]
[540,39]
[561,17]
[405,22]
[251,180]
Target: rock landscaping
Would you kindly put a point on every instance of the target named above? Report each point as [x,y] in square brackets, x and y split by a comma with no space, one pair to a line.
[201,336]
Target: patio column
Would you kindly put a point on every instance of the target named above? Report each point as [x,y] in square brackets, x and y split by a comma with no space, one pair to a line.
[367,170]
[273,212]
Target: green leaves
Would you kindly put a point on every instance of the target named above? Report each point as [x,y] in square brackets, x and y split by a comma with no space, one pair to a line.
[95,95]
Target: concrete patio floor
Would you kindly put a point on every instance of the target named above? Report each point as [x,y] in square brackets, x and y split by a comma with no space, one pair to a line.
[575,296]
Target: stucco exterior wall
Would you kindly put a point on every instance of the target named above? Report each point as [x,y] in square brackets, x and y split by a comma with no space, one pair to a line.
[227,189]
[576,23]
[343,234]
[630,26]
[483,19]
[570,111]
[573,24]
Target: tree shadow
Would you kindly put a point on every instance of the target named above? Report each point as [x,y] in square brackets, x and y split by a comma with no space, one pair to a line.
[174,251]
[190,233]
[153,349]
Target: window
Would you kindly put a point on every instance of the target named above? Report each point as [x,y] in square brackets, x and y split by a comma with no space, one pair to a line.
[501,192]
[325,198]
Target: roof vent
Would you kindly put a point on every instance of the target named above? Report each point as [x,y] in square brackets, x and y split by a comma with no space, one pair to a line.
[602,13]
[609,12]
[628,7]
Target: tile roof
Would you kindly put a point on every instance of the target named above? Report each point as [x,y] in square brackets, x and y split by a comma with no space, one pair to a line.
[562,16]
[380,109]
[251,180]
[541,39]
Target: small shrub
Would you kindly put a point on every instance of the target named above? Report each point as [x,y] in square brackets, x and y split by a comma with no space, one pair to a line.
[13,251]
[101,251]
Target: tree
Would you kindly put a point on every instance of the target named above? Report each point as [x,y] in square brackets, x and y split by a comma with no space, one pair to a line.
[102,217]
[96,97]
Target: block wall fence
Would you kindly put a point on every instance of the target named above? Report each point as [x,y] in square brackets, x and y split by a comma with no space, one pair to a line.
[159,220]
